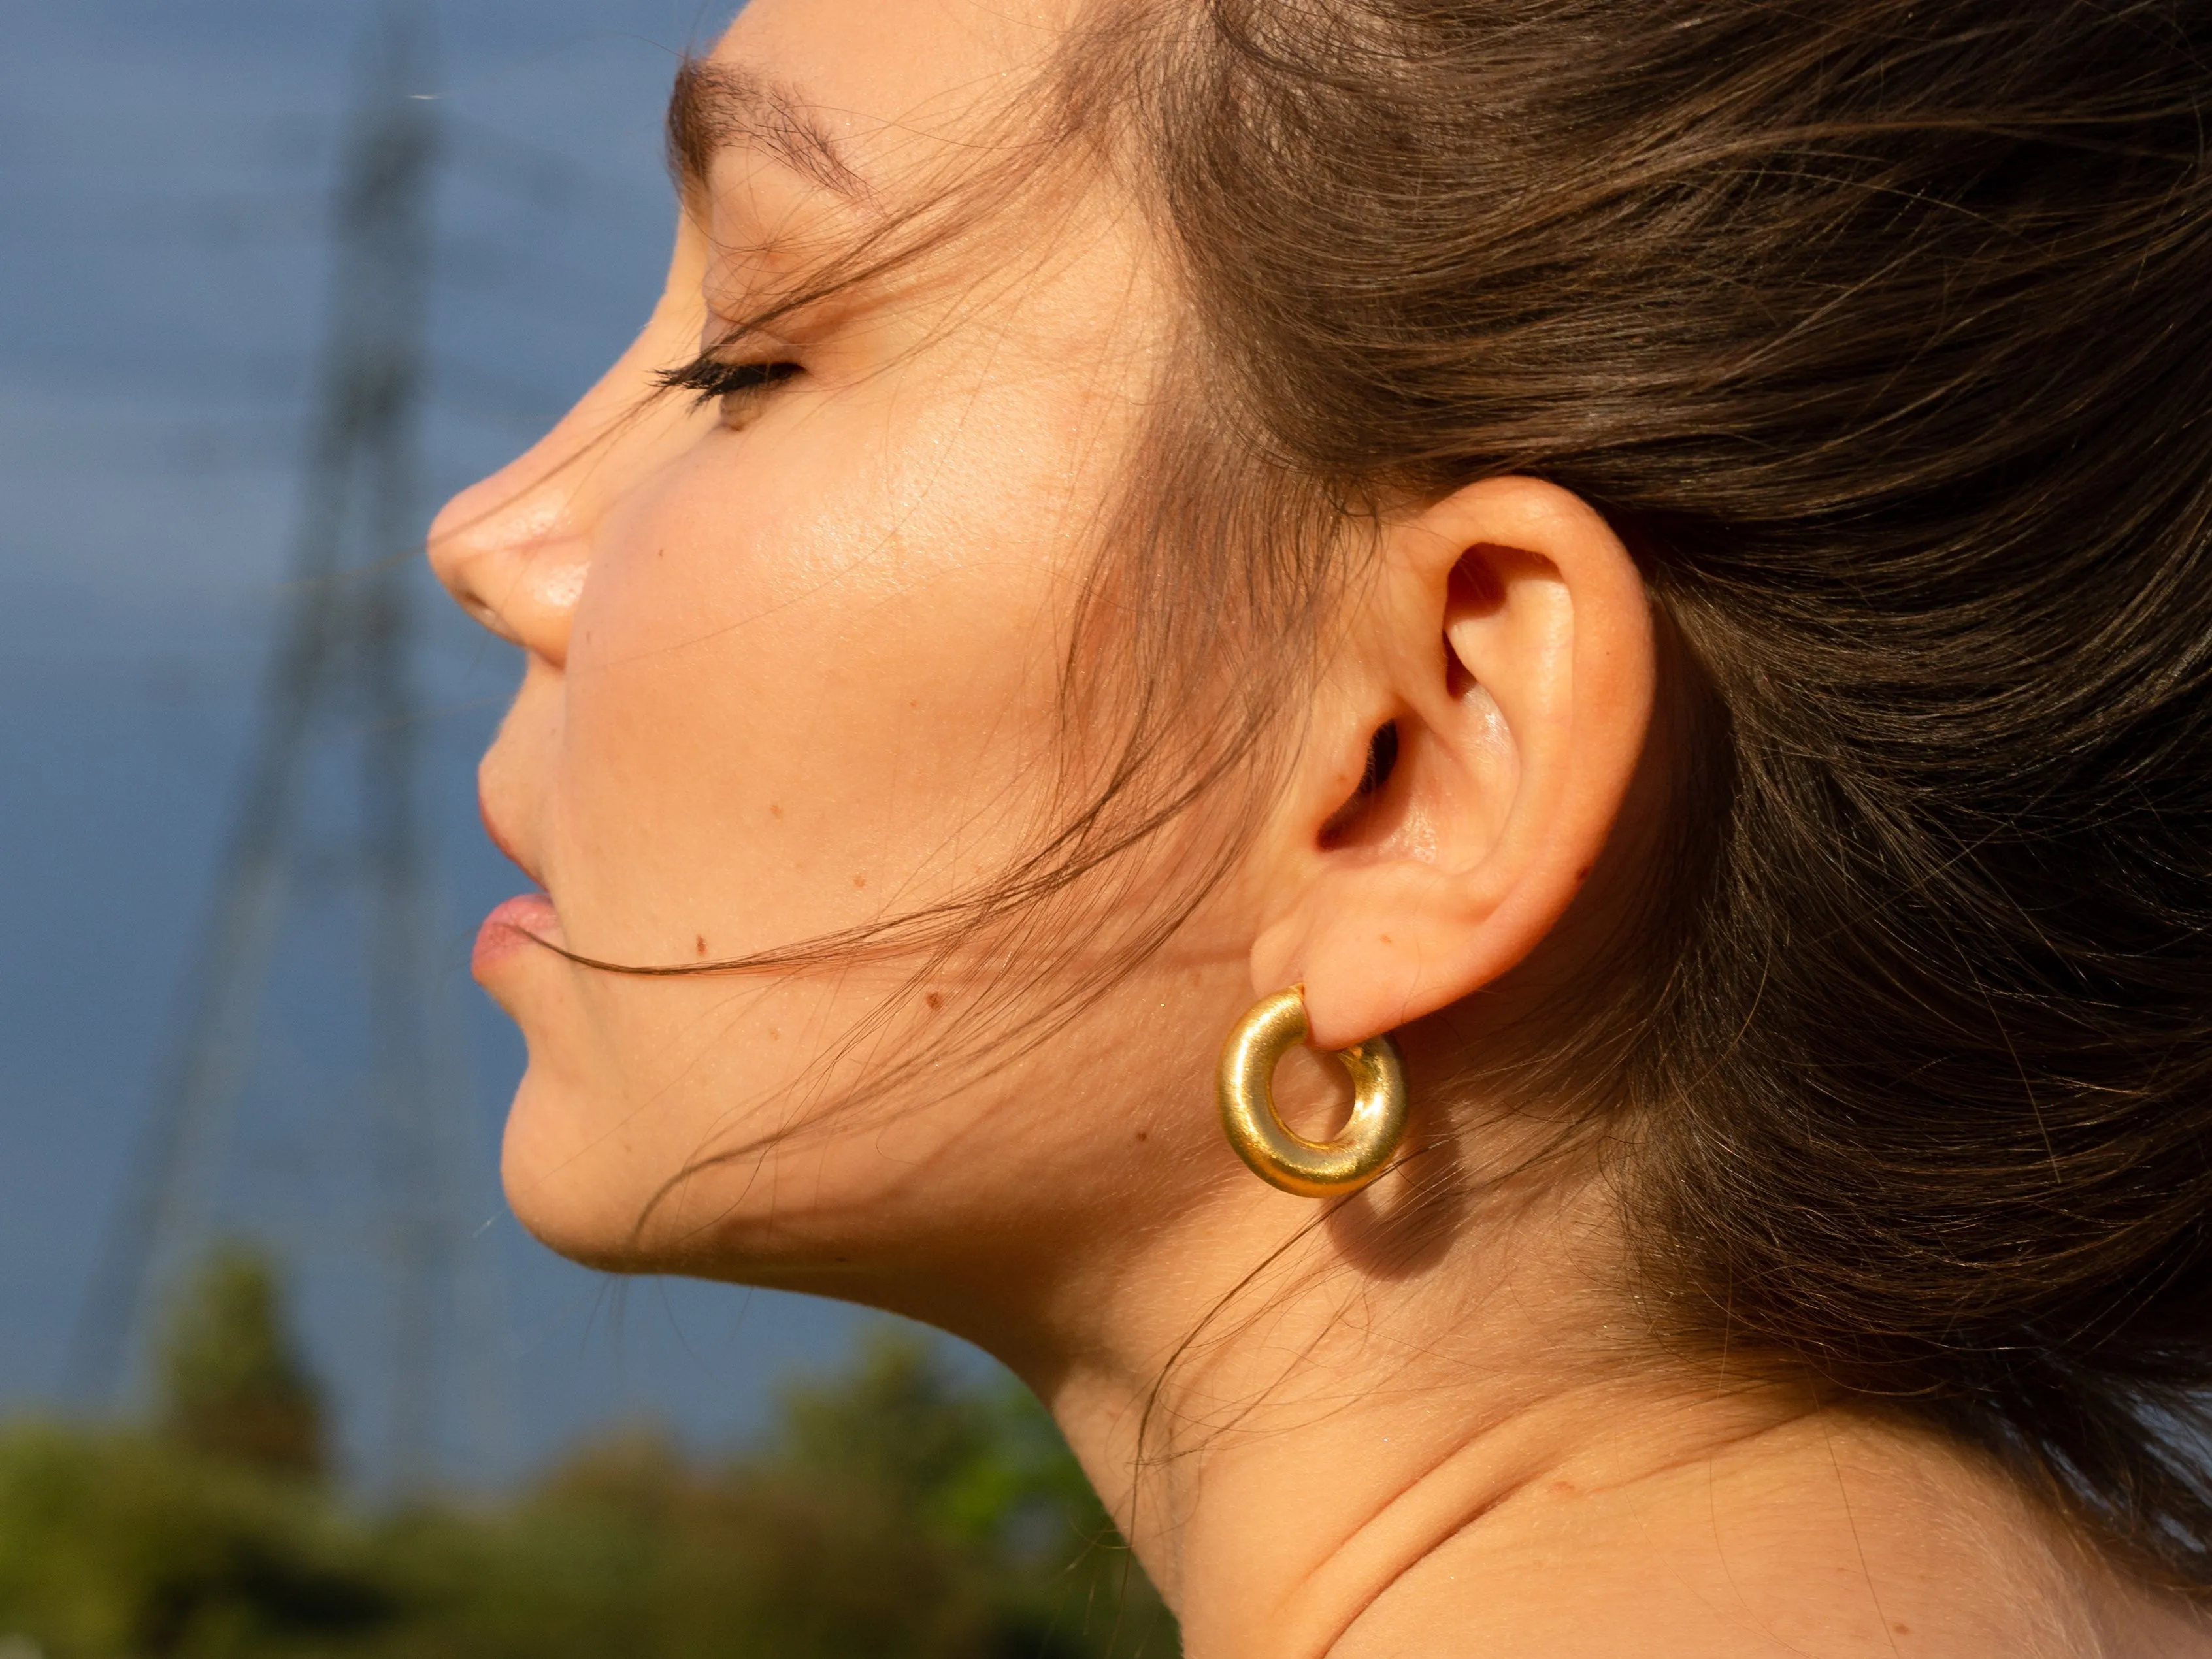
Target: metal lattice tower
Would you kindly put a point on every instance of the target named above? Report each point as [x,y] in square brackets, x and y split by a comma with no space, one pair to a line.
[342,672]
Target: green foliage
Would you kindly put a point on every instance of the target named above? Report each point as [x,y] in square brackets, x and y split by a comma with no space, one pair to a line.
[233,1383]
[125,1544]
[894,1512]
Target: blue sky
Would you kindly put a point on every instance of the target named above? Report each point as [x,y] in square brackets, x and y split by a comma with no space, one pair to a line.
[162,169]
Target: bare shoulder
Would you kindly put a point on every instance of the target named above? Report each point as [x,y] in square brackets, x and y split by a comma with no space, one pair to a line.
[1832,1541]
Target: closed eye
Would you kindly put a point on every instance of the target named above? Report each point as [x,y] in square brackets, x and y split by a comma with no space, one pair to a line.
[707,377]
[738,387]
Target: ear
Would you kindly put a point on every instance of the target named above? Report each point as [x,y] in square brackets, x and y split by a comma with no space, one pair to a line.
[1469,752]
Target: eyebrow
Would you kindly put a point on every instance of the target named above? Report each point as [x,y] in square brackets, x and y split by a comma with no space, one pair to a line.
[715,106]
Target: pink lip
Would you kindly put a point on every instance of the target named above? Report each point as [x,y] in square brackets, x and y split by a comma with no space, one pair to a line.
[513,926]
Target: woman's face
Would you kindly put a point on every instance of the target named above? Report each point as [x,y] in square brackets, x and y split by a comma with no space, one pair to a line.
[792,664]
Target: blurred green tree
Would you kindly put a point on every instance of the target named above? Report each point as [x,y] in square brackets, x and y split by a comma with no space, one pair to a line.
[235,1386]
[898,1510]
[1029,1562]
[208,1538]
[125,1546]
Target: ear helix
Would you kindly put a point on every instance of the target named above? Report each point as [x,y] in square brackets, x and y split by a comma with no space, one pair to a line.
[1244,1087]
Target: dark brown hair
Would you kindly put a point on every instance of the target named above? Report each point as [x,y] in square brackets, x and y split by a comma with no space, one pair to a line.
[1882,330]
[1878,329]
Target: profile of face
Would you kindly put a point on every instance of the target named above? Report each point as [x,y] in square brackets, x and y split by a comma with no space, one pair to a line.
[794,634]
[791,659]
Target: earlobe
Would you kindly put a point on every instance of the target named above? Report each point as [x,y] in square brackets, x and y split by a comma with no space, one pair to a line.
[1498,684]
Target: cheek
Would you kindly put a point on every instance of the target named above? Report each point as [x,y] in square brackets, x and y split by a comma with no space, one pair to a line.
[811,669]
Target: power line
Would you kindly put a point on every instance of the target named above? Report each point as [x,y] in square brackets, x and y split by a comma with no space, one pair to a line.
[342,672]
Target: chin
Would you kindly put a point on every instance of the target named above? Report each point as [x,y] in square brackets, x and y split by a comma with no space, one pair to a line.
[584,1189]
[560,1186]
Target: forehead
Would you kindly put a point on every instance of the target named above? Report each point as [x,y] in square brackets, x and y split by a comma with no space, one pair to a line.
[890,82]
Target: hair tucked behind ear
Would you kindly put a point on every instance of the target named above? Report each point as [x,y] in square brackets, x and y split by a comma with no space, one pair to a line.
[1884,329]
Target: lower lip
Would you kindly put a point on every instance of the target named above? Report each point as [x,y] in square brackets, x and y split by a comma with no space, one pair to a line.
[515,926]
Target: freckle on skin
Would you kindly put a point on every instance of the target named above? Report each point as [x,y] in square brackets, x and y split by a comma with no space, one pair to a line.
[934,1000]
[860,881]
[701,941]
[774,1035]
[773,810]
[1144,1134]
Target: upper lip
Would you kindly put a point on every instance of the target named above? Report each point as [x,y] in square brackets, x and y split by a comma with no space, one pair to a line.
[499,839]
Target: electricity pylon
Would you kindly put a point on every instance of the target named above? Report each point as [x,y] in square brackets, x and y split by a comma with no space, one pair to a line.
[342,672]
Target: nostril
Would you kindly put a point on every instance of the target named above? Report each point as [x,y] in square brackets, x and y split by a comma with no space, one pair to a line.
[515,561]
[486,543]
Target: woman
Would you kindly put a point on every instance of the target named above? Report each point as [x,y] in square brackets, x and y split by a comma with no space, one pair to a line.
[1653,555]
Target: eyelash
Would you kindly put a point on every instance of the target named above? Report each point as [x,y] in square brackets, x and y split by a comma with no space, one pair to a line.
[708,377]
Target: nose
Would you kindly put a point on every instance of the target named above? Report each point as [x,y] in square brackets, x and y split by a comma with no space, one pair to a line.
[515,549]
[512,551]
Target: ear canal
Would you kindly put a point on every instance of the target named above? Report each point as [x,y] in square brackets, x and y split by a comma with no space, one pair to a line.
[1381,761]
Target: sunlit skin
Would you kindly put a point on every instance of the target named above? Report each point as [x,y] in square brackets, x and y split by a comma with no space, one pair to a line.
[792,665]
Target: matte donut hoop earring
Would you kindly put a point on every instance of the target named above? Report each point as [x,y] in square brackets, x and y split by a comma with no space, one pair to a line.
[1245,1088]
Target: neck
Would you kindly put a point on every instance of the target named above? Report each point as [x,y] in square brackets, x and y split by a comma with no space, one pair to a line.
[1282,1448]
[1366,1448]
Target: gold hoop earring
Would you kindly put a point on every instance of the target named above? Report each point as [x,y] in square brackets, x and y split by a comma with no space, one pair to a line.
[1245,1088]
